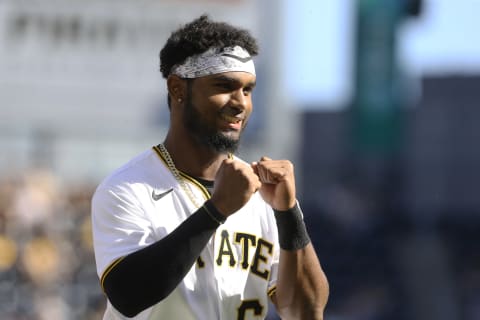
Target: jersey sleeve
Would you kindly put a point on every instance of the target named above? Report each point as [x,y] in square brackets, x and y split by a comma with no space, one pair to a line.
[120,225]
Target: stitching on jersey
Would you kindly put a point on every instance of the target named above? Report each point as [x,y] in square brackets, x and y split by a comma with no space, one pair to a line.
[205,192]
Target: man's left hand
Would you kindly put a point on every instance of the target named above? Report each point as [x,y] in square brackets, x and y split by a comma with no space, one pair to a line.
[278,182]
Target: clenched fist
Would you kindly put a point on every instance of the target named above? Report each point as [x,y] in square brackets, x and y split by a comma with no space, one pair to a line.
[277,182]
[235,183]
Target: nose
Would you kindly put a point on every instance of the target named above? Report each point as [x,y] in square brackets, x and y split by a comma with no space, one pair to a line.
[240,100]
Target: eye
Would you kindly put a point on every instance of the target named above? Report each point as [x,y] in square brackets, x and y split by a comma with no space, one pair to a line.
[248,90]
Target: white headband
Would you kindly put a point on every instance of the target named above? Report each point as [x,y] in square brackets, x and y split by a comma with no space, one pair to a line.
[215,61]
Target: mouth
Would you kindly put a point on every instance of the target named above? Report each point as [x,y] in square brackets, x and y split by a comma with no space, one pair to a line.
[231,119]
[233,122]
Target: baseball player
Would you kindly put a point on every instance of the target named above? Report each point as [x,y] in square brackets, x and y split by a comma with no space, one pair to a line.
[187,230]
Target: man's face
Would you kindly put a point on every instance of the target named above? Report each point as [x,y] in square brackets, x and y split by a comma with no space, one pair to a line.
[217,109]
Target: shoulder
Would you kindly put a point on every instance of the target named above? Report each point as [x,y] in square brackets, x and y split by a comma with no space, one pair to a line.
[130,169]
[142,171]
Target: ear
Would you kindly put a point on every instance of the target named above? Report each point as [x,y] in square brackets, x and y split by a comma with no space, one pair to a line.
[176,88]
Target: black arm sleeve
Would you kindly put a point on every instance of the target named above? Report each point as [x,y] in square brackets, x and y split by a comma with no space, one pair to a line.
[147,276]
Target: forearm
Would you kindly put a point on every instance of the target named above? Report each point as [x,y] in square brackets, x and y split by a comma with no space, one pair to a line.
[147,276]
[302,288]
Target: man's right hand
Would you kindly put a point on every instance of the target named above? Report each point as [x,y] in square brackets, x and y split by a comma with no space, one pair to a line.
[235,183]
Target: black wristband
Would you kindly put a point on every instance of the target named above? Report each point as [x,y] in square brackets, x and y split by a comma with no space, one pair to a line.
[213,212]
[292,232]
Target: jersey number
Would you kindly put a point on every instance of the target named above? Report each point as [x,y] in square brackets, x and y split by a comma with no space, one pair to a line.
[253,305]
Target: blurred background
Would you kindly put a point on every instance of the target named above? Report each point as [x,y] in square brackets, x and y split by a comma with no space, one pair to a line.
[375,101]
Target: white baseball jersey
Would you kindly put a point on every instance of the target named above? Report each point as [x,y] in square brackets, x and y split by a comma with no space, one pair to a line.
[132,209]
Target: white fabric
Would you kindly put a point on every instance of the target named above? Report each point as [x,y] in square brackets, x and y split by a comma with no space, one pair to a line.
[214,61]
[125,218]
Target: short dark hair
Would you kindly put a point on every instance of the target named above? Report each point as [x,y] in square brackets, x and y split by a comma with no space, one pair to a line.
[200,35]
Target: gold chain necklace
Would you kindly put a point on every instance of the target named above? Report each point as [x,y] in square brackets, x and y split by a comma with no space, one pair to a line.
[176,174]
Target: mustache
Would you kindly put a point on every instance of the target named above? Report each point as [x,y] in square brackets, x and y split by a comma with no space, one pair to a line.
[234,112]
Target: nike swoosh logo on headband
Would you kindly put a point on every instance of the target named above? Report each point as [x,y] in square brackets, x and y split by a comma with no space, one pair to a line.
[246,59]
[159,196]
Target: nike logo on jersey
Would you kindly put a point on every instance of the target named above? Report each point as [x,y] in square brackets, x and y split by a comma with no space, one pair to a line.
[159,196]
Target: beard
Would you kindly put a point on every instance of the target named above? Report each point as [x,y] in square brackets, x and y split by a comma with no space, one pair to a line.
[205,134]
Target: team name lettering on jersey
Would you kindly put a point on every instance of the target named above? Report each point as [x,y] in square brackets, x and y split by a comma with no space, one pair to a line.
[225,255]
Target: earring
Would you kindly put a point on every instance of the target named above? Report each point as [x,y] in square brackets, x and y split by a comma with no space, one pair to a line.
[179,100]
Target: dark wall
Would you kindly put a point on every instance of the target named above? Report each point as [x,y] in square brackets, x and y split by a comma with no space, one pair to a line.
[412,252]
